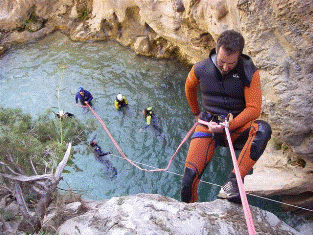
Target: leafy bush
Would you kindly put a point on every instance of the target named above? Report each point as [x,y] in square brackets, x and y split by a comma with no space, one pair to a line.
[41,142]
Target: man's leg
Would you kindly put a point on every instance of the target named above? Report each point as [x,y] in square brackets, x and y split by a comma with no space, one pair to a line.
[259,135]
[200,152]
[254,138]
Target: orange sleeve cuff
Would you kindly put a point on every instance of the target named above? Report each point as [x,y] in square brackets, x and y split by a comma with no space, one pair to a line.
[253,98]
[191,88]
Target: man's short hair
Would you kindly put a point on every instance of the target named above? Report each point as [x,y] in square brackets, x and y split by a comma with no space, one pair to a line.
[231,41]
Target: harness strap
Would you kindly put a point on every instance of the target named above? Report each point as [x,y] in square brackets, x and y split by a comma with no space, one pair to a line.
[207,117]
[201,135]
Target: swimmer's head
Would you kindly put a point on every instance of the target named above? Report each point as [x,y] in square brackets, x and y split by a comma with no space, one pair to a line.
[119,97]
[93,143]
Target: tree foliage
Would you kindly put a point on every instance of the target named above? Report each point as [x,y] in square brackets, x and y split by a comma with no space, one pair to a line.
[33,153]
[41,142]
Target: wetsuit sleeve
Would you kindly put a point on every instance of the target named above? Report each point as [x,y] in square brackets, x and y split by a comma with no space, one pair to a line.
[90,97]
[116,104]
[76,98]
[191,88]
[148,120]
[253,98]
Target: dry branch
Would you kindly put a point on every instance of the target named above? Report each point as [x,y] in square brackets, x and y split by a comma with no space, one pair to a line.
[62,164]
[24,178]
[45,191]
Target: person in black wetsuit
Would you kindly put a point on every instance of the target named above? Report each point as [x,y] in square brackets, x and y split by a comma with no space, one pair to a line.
[101,157]
[151,120]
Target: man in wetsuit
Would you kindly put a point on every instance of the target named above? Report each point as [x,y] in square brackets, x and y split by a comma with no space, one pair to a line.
[230,84]
[101,157]
[151,120]
[148,113]
[120,101]
[84,96]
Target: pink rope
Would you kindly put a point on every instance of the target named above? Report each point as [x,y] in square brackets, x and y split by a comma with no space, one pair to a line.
[130,161]
[245,204]
[243,196]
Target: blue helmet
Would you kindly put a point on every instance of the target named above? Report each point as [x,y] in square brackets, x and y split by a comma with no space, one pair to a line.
[80,89]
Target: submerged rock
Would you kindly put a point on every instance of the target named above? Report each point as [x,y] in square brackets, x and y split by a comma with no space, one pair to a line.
[155,214]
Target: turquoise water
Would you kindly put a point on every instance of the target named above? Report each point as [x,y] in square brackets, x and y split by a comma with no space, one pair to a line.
[34,75]
[47,74]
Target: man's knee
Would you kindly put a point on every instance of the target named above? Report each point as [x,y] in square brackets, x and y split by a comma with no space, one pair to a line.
[188,179]
[262,136]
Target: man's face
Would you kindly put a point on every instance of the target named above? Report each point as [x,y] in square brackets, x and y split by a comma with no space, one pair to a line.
[226,62]
[82,93]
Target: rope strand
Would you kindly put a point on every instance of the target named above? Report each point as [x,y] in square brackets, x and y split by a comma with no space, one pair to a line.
[132,162]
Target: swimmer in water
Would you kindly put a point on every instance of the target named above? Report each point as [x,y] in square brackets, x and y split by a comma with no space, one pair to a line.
[101,157]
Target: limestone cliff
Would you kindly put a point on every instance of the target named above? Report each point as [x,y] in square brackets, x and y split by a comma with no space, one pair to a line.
[278,36]
[155,214]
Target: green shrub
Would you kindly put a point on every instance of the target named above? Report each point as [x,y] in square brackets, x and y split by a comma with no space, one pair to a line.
[42,141]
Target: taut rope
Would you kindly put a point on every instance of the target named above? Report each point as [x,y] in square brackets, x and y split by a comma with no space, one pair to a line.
[132,162]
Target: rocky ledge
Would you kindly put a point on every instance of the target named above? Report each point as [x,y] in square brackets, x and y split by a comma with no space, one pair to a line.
[155,214]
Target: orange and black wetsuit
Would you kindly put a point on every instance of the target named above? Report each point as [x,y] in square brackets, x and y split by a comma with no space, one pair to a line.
[239,93]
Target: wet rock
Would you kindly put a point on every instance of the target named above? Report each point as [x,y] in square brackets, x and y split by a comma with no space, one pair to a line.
[26,36]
